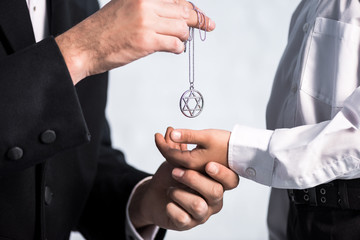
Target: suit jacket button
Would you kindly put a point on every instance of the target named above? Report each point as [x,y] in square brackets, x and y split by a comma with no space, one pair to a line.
[47,137]
[15,153]
[48,195]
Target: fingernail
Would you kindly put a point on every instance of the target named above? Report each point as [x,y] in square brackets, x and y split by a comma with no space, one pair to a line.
[177,172]
[176,135]
[212,168]
[211,25]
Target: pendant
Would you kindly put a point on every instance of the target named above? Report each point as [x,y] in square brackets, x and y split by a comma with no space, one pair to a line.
[191,103]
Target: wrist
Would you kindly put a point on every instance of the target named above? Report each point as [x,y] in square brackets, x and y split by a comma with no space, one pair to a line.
[138,212]
[75,56]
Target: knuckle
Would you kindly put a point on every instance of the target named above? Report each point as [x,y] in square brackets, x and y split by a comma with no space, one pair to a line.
[141,4]
[217,192]
[199,207]
[169,129]
[142,18]
[178,46]
[142,22]
[182,220]
[144,41]
[183,29]
[189,136]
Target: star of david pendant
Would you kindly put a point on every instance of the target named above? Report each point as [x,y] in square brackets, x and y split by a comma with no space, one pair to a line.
[191,103]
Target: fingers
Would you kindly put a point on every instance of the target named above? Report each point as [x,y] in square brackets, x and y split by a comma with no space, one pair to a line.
[181,9]
[191,203]
[208,188]
[172,144]
[175,156]
[228,178]
[183,147]
[165,43]
[167,134]
[179,217]
[173,9]
[172,27]
[161,144]
[198,19]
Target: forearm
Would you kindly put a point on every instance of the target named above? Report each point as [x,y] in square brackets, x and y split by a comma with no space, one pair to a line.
[74,56]
[85,46]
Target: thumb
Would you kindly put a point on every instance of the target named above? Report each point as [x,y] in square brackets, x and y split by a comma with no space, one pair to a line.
[189,136]
[224,175]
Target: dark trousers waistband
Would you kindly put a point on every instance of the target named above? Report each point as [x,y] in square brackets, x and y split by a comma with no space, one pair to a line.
[344,194]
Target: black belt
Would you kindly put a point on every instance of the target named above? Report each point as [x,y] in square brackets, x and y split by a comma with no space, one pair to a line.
[344,194]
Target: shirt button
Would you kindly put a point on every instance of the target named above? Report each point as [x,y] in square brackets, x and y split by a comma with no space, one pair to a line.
[48,195]
[306,27]
[250,172]
[15,153]
[47,137]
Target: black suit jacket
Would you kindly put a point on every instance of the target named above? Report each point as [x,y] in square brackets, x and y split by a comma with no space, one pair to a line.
[58,171]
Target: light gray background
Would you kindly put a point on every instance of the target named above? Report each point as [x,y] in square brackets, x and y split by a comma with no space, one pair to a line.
[235,67]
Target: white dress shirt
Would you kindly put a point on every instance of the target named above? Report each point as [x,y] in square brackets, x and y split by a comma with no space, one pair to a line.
[314,109]
[40,23]
[39,18]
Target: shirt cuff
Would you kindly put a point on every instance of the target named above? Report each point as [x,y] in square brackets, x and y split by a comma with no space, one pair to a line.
[248,154]
[146,233]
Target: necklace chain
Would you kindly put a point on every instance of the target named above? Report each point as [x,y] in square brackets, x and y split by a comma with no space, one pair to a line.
[191,58]
[192,102]
[191,40]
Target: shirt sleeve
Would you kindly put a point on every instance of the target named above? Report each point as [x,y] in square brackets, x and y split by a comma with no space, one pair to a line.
[146,233]
[300,157]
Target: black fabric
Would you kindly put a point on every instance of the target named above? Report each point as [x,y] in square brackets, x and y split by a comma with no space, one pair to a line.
[37,94]
[15,23]
[328,211]
[106,194]
[88,181]
[344,194]
[307,222]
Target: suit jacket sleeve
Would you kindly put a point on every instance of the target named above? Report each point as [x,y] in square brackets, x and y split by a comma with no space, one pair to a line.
[105,213]
[40,111]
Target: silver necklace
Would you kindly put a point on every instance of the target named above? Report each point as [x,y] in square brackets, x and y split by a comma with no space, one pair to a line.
[192,101]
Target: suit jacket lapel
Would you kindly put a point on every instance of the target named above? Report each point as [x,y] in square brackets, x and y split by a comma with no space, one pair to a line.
[15,24]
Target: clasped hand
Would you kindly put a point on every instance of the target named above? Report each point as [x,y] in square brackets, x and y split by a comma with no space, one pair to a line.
[179,198]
